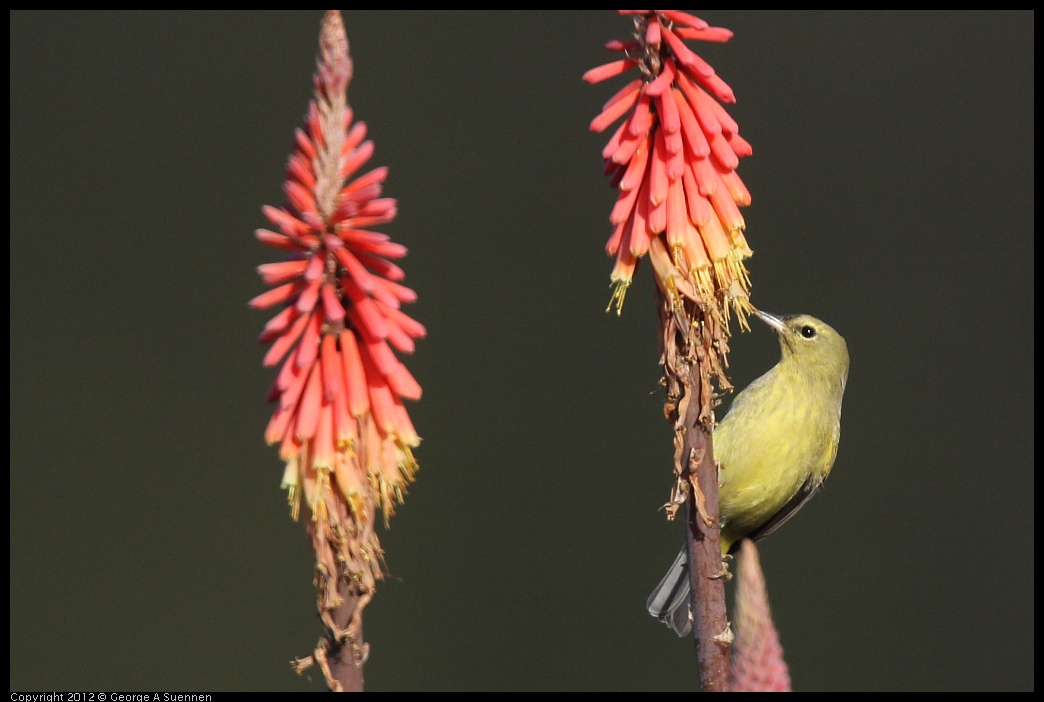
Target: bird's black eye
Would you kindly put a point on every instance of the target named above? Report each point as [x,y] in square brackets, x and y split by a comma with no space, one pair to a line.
[808,332]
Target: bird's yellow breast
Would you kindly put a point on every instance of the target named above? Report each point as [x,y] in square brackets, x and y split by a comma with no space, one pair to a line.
[772,440]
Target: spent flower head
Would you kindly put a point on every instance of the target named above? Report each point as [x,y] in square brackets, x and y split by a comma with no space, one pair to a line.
[673,159]
[339,421]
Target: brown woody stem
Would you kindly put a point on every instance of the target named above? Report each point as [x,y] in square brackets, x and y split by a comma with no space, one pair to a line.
[692,342]
[345,657]
[702,539]
[346,569]
[341,652]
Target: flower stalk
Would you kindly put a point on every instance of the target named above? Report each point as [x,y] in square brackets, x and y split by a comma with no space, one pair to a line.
[673,160]
[340,421]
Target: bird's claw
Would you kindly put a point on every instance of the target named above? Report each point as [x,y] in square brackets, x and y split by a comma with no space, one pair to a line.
[723,574]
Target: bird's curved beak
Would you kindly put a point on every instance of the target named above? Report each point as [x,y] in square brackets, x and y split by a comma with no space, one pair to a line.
[771,320]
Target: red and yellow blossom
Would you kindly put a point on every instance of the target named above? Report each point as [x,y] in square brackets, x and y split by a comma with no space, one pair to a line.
[674,159]
[339,421]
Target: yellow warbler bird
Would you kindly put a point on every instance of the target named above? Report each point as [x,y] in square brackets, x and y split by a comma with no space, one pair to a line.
[775,447]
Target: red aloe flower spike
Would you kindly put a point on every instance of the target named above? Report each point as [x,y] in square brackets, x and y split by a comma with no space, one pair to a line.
[673,158]
[339,420]
[675,138]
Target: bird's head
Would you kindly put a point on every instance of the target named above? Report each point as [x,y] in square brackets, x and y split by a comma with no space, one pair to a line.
[810,345]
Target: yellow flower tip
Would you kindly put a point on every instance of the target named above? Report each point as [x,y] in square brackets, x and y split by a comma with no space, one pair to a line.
[730,268]
[740,251]
[356,504]
[292,484]
[678,257]
[739,241]
[619,293]
[670,276]
[346,447]
[407,464]
[291,475]
[317,500]
[742,275]
[703,280]
[405,439]
[740,278]
[742,314]
[737,295]
[387,495]
[669,286]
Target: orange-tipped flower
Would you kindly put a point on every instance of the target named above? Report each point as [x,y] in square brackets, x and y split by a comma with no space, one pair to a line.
[339,420]
[673,158]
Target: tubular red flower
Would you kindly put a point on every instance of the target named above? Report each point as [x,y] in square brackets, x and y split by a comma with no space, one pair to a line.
[339,418]
[610,70]
[275,296]
[354,374]
[673,158]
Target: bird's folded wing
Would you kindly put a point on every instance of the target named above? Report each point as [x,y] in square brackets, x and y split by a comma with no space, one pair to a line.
[808,488]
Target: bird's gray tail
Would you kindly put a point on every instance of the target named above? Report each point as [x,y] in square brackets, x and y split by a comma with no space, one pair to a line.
[669,601]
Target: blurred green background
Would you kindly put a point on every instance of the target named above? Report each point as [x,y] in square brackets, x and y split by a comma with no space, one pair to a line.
[151,547]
